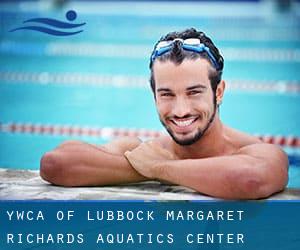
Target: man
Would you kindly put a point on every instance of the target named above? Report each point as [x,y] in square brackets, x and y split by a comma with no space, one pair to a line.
[200,151]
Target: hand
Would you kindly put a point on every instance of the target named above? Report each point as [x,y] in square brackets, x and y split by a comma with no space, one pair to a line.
[145,158]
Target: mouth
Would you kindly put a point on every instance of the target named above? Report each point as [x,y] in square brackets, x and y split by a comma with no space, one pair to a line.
[184,125]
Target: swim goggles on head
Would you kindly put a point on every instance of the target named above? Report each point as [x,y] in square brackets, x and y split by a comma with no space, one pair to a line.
[190,44]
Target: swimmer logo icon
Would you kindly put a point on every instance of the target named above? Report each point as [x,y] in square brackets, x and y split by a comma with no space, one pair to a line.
[71,15]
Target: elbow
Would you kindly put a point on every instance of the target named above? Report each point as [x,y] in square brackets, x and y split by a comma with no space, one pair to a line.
[49,168]
[52,169]
[262,185]
[255,188]
[256,184]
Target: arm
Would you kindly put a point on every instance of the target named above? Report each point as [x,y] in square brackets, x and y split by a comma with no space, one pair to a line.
[256,171]
[76,163]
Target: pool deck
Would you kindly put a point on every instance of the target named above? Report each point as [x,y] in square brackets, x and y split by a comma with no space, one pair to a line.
[27,185]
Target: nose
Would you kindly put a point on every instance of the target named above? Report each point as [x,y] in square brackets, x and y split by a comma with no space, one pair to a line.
[181,107]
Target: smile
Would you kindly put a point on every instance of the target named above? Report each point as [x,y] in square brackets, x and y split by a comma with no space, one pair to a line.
[183,123]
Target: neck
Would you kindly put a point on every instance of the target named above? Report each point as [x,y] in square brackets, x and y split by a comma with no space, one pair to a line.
[212,143]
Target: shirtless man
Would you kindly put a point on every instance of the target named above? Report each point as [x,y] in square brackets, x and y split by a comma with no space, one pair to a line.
[200,152]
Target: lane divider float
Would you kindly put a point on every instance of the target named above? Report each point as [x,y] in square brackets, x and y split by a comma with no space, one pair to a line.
[109,132]
[121,81]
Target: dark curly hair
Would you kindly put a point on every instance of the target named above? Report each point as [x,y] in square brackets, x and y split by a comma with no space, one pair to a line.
[177,55]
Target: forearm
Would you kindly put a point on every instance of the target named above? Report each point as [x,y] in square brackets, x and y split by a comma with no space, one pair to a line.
[86,165]
[240,177]
[111,170]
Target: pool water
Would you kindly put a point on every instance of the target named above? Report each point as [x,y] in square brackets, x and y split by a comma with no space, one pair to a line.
[100,76]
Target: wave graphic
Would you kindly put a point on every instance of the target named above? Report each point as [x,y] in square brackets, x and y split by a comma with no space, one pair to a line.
[70,15]
[54,22]
[47,30]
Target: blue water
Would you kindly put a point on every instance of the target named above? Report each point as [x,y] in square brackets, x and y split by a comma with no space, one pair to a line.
[27,101]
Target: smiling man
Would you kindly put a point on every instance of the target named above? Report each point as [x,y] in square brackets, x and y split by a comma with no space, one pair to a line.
[200,152]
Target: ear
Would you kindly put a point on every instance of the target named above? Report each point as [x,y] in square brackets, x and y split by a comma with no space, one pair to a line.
[220,92]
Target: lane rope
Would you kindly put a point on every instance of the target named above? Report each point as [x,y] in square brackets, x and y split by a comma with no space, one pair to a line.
[139,51]
[109,132]
[121,81]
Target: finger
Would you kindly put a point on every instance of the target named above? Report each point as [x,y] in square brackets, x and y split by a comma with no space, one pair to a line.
[157,147]
[153,146]
[163,151]
[153,143]
[127,153]
[150,142]
[129,156]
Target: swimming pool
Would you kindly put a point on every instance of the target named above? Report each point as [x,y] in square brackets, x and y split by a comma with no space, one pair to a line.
[94,85]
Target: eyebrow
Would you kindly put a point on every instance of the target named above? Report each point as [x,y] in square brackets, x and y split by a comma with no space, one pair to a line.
[198,86]
[164,89]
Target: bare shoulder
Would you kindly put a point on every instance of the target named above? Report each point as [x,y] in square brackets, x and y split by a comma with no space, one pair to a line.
[265,151]
[121,145]
[239,138]
[253,146]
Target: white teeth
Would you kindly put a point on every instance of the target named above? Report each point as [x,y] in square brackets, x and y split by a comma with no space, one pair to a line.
[184,123]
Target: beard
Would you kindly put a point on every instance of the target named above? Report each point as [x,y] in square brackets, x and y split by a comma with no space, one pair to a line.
[197,136]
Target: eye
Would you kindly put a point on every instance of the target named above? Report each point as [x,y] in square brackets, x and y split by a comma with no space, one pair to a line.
[167,94]
[194,92]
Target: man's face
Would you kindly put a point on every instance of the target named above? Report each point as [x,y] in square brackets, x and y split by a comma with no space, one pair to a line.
[184,98]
